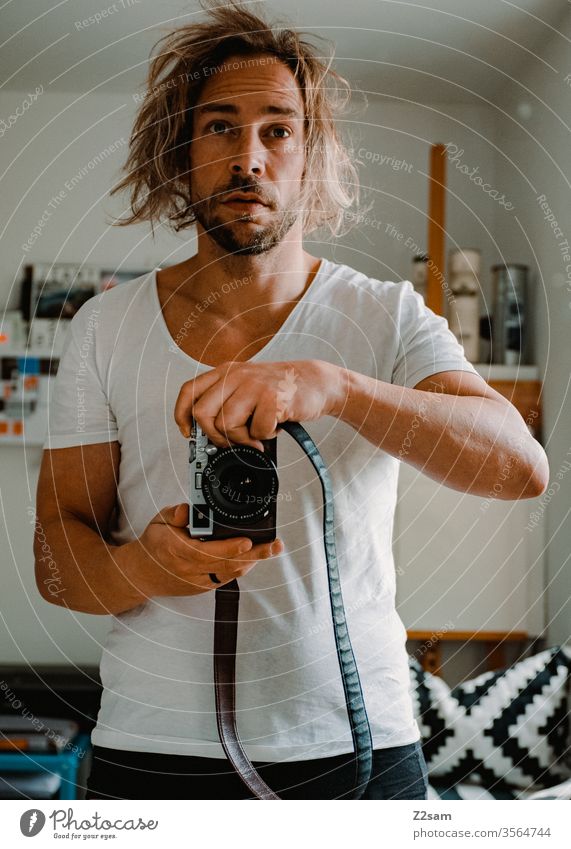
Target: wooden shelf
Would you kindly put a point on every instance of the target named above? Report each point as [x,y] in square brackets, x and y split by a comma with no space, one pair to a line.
[501,372]
[521,385]
[494,640]
[17,440]
[29,352]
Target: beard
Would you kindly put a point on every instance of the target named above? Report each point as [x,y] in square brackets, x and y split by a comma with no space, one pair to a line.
[236,239]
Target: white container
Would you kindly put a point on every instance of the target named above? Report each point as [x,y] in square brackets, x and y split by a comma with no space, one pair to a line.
[464,283]
[464,322]
[12,330]
[465,259]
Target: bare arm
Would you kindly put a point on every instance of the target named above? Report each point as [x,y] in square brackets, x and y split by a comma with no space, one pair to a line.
[77,567]
[74,564]
[451,426]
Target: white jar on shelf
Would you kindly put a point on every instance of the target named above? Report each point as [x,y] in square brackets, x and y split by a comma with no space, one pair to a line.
[464,307]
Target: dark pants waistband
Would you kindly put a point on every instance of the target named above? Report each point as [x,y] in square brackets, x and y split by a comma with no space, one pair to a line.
[399,772]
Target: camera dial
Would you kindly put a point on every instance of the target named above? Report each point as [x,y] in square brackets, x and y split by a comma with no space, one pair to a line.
[239,483]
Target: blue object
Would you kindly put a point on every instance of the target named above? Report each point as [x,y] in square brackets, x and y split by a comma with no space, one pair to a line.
[29,365]
[64,763]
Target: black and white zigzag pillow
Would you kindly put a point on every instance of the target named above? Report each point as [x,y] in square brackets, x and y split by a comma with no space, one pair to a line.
[509,726]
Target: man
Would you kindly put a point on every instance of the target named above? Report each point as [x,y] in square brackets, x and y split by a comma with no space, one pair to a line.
[237,134]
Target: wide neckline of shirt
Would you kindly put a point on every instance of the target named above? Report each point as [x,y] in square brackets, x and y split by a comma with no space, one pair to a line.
[323,272]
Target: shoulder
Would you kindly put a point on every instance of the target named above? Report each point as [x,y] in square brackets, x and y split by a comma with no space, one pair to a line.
[127,295]
[355,287]
[106,311]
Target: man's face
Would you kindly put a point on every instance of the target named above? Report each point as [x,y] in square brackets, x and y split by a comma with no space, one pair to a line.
[248,136]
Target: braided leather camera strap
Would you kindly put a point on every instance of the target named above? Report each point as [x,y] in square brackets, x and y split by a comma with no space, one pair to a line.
[227,600]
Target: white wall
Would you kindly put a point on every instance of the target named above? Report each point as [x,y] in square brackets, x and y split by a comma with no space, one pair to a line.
[404,132]
[535,131]
[60,134]
[57,137]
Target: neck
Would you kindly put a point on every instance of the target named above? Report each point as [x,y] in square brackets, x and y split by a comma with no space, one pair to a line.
[243,282]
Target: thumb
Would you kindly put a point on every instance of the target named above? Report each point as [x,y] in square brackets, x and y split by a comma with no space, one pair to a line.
[176,515]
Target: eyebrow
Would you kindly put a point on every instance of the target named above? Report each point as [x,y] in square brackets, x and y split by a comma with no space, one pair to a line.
[230,109]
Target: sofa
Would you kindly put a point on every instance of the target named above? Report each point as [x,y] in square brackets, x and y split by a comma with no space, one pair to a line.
[502,735]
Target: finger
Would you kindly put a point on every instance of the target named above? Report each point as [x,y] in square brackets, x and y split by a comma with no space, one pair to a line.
[206,582]
[199,583]
[176,515]
[207,410]
[236,567]
[232,574]
[265,419]
[233,419]
[225,570]
[228,569]
[261,551]
[211,551]
[241,435]
[181,544]
[258,552]
[209,428]
[185,547]
[188,395]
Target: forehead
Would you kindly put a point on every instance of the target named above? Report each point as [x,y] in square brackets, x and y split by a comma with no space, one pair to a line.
[245,82]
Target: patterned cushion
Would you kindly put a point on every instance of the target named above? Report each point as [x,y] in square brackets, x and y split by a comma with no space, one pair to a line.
[507,728]
[560,791]
[468,791]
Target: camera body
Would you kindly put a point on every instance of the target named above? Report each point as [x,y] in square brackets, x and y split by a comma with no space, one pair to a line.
[232,490]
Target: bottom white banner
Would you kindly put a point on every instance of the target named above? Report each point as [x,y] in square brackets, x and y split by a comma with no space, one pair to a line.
[391,824]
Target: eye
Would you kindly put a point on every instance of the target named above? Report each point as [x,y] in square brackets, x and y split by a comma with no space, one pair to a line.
[214,124]
[285,130]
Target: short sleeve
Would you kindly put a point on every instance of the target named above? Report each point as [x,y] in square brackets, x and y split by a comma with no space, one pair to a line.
[78,407]
[426,344]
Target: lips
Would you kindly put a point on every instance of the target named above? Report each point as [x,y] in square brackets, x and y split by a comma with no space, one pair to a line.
[242,197]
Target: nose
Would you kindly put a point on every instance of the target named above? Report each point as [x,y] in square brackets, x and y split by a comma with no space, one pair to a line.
[248,158]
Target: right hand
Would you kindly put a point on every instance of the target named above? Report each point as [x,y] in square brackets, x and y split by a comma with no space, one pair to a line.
[166,560]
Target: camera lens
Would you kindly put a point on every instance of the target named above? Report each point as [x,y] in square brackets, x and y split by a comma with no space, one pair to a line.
[239,483]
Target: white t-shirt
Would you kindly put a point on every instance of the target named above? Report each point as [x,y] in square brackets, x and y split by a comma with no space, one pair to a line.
[118,379]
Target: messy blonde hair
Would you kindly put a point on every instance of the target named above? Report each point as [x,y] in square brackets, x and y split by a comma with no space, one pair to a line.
[157,167]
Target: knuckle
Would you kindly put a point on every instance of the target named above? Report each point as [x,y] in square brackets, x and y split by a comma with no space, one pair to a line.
[234,566]
[258,431]
[238,572]
[199,555]
[188,573]
[197,408]
[221,422]
[181,550]
[169,550]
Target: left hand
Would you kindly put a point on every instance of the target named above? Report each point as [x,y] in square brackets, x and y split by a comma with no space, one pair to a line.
[245,401]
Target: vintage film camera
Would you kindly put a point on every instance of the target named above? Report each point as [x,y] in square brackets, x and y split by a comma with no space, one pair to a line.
[233,490]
